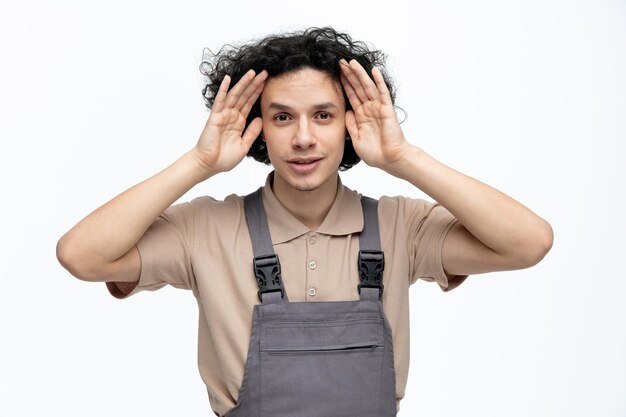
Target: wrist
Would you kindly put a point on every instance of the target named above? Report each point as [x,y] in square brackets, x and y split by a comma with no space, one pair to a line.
[407,162]
[198,169]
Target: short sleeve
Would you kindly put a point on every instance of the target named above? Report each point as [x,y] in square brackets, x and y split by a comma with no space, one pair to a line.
[428,224]
[165,251]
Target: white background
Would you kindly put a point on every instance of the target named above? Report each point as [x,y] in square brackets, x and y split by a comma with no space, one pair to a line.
[527,96]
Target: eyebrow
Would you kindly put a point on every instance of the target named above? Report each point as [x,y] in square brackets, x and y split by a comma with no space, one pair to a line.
[321,106]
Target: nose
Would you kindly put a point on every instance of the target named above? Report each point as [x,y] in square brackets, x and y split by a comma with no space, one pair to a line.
[304,137]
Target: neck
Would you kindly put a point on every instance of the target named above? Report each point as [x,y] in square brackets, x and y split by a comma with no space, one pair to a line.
[310,207]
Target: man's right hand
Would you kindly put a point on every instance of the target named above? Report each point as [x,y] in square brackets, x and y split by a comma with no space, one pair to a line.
[223,144]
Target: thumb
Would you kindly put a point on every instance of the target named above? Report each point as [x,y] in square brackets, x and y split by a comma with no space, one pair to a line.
[252,132]
[351,125]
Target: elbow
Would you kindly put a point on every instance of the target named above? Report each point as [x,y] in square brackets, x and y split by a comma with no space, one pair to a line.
[69,256]
[64,253]
[537,246]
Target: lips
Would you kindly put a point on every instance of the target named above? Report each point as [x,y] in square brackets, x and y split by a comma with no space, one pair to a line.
[304,161]
[304,165]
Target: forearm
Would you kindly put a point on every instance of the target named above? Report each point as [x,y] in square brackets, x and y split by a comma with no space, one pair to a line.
[498,221]
[495,231]
[101,246]
[113,229]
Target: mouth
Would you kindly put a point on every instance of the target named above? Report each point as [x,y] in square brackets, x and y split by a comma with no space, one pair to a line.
[303,161]
[304,165]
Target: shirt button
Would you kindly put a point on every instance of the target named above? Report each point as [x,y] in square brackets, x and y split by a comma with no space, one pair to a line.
[312,239]
[312,291]
[312,265]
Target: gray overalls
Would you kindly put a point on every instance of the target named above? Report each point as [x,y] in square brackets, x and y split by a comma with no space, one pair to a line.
[317,359]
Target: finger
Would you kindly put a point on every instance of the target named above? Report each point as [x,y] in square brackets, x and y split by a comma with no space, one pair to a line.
[363,81]
[352,126]
[251,100]
[235,92]
[368,85]
[353,80]
[252,132]
[220,97]
[385,95]
[252,90]
[355,101]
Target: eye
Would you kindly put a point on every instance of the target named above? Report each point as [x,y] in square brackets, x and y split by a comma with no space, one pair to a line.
[282,117]
[324,115]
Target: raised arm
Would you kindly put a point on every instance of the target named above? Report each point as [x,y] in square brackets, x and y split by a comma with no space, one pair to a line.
[102,246]
[494,232]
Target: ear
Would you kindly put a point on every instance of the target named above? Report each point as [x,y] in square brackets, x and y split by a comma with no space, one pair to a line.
[351,125]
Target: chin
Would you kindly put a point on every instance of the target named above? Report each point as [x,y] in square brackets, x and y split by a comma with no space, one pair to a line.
[305,187]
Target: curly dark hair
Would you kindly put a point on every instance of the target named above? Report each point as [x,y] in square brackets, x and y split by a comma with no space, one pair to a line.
[316,48]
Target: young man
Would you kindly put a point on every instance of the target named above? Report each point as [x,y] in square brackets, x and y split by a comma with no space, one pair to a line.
[310,103]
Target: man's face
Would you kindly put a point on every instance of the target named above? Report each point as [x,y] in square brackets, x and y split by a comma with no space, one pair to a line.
[303,116]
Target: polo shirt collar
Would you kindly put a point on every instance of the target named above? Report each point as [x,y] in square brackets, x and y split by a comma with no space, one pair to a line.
[344,217]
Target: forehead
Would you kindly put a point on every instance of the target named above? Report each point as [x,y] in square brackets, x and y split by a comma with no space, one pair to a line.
[301,87]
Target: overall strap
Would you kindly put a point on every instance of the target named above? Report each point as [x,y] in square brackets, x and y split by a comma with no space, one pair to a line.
[371,257]
[265,263]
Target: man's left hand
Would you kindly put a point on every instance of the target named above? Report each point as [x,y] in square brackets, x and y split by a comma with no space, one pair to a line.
[372,124]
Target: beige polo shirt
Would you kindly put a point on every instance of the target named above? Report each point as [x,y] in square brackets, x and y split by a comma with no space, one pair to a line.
[204,246]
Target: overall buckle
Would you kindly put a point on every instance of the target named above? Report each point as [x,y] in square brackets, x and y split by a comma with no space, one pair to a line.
[371,267]
[267,272]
